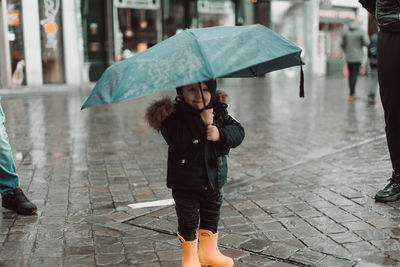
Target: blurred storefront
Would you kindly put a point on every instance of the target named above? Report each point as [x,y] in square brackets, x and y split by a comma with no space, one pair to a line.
[183,14]
[140,24]
[292,19]
[33,38]
[332,21]
[215,13]
[15,37]
[133,26]
[74,41]
[316,26]
[97,36]
[137,26]
[51,40]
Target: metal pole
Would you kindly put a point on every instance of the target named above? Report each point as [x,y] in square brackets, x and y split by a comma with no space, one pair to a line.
[5,61]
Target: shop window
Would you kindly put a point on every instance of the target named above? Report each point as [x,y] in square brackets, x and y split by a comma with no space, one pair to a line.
[16,41]
[334,32]
[216,13]
[51,41]
[179,15]
[138,30]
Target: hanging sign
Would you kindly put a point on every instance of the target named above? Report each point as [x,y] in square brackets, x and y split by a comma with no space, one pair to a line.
[214,7]
[137,4]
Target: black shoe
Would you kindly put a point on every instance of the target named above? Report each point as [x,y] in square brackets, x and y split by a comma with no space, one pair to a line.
[391,192]
[18,202]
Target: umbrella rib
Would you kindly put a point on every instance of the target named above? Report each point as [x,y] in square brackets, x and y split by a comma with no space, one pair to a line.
[204,55]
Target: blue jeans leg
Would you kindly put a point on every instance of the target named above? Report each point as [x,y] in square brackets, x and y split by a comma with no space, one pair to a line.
[9,179]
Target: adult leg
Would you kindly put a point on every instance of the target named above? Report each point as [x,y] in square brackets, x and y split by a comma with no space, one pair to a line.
[389,84]
[354,70]
[12,196]
[389,81]
[9,179]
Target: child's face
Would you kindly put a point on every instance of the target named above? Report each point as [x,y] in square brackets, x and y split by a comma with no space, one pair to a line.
[192,96]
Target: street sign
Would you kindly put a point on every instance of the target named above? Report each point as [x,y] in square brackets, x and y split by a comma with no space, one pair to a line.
[137,4]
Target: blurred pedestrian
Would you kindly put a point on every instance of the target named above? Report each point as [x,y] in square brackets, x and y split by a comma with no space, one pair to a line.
[353,41]
[387,15]
[373,66]
[13,198]
[199,133]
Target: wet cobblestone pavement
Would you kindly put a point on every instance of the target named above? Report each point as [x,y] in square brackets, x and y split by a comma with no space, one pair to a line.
[300,188]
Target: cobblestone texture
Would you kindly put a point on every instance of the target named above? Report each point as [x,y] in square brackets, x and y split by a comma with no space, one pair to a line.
[300,188]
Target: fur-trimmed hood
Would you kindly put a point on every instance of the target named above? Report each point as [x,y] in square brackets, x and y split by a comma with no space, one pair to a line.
[161,109]
[158,111]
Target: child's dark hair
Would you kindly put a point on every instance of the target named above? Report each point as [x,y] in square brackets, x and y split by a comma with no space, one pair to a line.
[179,90]
[211,84]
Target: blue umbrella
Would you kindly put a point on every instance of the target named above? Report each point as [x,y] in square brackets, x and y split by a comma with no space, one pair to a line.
[193,56]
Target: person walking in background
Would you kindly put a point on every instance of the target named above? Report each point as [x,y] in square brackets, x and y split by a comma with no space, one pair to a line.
[13,198]
[387,15]
[353,41]
[373,65]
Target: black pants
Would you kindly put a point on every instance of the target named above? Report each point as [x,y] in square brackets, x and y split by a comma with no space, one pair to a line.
[354,70]
[191,206]
[389,84]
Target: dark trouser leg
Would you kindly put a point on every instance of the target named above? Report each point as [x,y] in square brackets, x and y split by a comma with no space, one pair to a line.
[187,209]
[389,84]
[210,207]
[354,70]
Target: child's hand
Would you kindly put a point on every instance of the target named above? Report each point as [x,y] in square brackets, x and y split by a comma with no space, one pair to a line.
[207,116]
[212,133]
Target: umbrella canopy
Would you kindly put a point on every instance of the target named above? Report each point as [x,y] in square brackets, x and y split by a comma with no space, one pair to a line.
[196,55]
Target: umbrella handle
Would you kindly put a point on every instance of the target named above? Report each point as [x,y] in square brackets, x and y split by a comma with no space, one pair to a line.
[202,95]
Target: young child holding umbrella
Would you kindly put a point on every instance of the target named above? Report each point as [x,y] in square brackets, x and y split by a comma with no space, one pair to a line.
[199,133]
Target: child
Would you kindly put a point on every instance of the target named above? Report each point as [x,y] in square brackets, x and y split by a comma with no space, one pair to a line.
[199,136]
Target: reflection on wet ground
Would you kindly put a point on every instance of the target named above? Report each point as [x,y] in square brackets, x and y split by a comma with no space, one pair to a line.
[300,187]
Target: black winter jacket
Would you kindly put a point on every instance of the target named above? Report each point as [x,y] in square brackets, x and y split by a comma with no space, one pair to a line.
[387,13]
[193,162]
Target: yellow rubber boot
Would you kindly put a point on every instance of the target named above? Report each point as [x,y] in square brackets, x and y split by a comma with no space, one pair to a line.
[190,257]
[209,254]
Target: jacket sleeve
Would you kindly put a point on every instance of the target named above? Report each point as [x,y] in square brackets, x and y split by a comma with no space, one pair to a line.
[182,132]
[231,132]
[369,5]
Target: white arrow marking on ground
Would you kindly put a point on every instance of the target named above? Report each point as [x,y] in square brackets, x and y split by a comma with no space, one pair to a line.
[164,202]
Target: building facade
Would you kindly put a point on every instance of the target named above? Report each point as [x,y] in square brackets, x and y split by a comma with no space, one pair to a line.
[74,41]
[132,26]
[39,43]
